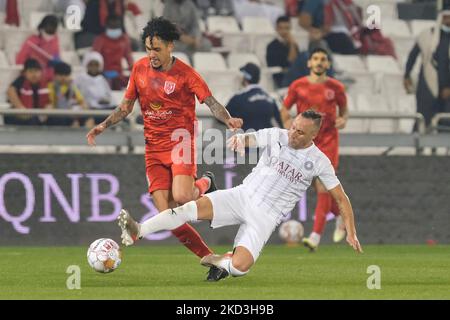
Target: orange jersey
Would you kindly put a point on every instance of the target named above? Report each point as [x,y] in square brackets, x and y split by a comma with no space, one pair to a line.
[323,98]
[167,100]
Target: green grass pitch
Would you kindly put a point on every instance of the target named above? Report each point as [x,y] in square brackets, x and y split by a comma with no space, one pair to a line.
[171,272]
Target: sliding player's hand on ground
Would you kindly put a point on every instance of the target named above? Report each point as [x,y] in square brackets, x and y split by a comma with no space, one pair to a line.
[93,133]
[237,143]
[234,123]
[354,242]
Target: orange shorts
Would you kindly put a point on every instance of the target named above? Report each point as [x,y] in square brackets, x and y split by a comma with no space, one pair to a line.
[161,167]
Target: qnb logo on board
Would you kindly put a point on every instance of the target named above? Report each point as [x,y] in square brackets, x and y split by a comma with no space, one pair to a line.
[103,189]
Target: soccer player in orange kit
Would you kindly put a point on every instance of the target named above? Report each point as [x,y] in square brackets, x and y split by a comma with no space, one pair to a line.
[166,88]
[321,93]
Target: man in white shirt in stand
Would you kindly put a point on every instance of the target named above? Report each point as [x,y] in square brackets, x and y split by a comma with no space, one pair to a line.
[289,163]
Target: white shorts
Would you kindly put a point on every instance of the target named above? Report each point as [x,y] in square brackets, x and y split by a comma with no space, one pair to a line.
[231,207]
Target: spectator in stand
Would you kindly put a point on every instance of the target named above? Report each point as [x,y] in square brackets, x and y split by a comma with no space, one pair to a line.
[283,50]
[343,26]
[93,85]
[43,47]
[346,33]
[185,14]
[28,91]
[114,45]
[252,104]
[95,19]
[433,88]
[65,95]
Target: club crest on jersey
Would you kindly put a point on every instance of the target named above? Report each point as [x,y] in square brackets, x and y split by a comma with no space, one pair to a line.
[329,94]
[309,165]
[169,87]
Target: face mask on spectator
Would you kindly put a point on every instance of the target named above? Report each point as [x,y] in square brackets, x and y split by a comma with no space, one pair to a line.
[114,33]
[445,28]
[47,36]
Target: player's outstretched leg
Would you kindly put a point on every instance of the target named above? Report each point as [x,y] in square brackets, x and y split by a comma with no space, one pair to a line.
[237,264]
[130,228]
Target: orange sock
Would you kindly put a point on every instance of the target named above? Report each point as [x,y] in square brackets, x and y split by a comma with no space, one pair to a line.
[190,238]
[202,184]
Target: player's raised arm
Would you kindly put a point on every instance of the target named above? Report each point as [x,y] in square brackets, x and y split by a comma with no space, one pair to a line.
[120,113]
[345,208]
[286,118]
[222,114]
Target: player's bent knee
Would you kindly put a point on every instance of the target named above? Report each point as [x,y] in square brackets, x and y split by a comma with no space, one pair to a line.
[182,197]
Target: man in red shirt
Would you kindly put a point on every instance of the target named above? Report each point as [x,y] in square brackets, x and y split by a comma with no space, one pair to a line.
[166,88]
[323,94]
[114,45]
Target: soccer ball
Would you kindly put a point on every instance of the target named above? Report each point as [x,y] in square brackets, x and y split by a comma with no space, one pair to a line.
[104,255]
[291,231]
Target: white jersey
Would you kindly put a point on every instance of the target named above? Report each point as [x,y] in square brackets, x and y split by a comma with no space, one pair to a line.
[283,174]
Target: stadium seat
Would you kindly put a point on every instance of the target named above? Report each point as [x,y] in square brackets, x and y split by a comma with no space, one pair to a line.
[403,46]
[417,26]
[398,28]
[8,75]
[238,41]
[374,104]
[257,25]
[406,104]
[296,28]
[3,59]
[66,40]
[364,82]
[237,60]
[14,41]
[388,8]
[35,18]
[211,61]
[348,63]
[391,88]
[383,64]
[222,24]
[259,46]
[70,57]
[183,57]
[117,96]
[354,125]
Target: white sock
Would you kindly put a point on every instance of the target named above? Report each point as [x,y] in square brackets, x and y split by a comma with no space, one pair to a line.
[235,272]
[315,237]
[227,264]
[170,219]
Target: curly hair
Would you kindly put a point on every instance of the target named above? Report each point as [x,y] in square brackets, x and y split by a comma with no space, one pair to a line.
[161,28]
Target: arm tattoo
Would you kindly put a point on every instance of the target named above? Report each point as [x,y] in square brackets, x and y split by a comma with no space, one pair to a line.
[217,109]
[121,112]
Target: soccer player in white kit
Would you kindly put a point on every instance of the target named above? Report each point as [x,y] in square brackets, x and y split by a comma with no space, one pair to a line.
[289,163]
